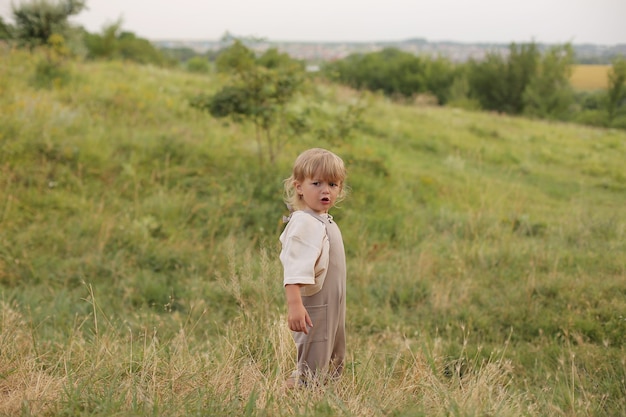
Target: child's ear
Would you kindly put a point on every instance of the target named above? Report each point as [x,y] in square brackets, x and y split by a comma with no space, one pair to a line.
[298,186]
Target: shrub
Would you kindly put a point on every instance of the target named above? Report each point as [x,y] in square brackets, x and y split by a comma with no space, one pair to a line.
[198,64]
[597,118]
[52,70]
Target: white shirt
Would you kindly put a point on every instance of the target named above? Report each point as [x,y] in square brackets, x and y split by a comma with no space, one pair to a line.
[305,252]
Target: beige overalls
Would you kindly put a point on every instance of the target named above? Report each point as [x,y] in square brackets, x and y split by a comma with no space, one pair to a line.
[322,351]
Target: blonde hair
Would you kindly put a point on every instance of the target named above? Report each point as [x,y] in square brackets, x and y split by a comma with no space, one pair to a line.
[315,163]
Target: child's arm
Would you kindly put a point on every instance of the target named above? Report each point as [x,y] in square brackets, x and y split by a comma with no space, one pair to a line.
[297,316]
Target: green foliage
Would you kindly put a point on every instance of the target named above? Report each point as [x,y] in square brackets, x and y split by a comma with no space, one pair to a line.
[598,118]
[181,54]
[6,30]
[229,101]
[37,20]
[487,82]
[439,75]
[394,72]
[260,92]
[198,64]
[524,81]
[237,58]
[114,43]
[499,82]
[459,93]
[273,59]
[337,126]
[548,94]
[103,45]
[591,100]
[139,50]
[52,69]
[616,91]
[522,67]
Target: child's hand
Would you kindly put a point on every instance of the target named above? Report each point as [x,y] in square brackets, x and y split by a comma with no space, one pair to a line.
[298,319]
[297,316]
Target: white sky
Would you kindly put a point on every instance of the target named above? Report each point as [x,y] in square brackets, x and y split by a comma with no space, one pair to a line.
[500,21]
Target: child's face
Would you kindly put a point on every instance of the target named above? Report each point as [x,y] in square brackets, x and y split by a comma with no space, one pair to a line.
[317,194]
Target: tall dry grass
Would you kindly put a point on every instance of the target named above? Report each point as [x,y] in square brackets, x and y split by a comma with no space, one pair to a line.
[117,368]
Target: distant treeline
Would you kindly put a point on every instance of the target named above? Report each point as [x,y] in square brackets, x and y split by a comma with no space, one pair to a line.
[523,82]
[529,80]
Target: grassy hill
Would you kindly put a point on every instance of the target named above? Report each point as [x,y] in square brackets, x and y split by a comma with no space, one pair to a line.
[139,272]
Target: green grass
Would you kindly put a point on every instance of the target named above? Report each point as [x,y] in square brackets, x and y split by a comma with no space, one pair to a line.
[139,272]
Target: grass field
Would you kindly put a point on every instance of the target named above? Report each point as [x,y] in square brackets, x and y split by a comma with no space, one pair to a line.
[590,77]
[139,272]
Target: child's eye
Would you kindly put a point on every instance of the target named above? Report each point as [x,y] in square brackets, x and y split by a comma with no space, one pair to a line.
[333,184]
[316,183]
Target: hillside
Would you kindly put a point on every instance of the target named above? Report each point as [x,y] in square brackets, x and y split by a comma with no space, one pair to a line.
[139,240]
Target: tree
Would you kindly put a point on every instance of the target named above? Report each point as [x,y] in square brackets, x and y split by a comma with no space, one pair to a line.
[487,82]
[141,50]
[257,93]
[523,63]
[274,59]
[237,58]
[403,73]
[114,43]
[549,93]
[439,76]
[498,82]
[616,90]
[6,30]
[104,45]
[392,71]
[44,24]
[37,20]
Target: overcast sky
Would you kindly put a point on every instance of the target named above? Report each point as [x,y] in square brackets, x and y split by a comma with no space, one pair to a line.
[499,21]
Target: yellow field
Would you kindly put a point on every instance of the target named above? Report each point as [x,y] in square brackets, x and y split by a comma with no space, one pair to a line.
[589,77]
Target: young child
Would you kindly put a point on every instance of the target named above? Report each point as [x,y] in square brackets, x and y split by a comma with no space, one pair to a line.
[314,266]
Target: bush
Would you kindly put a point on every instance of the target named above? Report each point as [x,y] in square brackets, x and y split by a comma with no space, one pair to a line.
[49,74]
[198,64]
[590,100]
[396,73]
[51,70]
[598,118]
[619,122]
[114,43]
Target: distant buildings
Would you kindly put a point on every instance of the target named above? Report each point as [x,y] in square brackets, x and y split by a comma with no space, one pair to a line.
[318,52]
